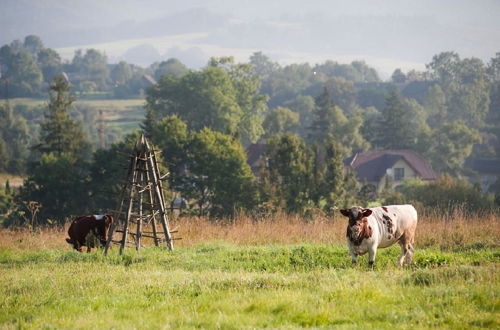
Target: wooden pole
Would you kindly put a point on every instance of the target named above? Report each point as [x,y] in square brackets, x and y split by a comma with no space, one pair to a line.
[130,205]
[119,209]
[138,235]
[159,198]
[153,211]
[143,175]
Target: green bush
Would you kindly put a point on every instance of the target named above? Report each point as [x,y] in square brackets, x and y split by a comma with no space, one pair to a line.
[446,194]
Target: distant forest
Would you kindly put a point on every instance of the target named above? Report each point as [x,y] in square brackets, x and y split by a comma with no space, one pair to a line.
[312,117]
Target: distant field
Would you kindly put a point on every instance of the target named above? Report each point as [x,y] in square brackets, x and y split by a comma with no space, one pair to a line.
[275,273]
[119,115]
[105,103]
[14,180]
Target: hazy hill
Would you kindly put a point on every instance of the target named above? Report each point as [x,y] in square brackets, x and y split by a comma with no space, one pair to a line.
[395,33]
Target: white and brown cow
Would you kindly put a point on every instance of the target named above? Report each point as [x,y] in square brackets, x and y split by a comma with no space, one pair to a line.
[380,227]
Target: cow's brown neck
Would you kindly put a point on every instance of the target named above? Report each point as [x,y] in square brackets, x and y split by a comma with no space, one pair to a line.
[366,232]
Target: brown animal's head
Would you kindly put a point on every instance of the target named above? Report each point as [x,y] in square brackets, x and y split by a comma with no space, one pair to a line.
[103,223]
[358,221]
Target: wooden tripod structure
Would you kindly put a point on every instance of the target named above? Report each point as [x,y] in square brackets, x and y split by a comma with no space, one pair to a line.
[141,201]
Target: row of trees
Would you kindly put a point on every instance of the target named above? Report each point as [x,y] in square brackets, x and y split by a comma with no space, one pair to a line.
[312,118]
[207,167]
[27,68]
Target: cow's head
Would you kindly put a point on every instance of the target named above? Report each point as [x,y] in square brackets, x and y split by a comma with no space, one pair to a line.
[358,218]
[102,227]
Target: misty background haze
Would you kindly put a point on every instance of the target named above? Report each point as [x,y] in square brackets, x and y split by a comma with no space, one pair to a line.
[386,34]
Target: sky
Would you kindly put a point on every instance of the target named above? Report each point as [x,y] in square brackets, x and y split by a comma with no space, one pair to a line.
[386,34]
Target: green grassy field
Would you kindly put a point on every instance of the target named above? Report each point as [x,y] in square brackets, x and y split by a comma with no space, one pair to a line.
[222,285]
[105,103]
[119,114]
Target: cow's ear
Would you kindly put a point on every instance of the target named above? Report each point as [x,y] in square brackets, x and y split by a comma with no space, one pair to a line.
[345,212]
[367,212]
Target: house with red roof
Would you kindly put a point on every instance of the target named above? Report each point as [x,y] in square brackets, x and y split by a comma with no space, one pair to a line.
[389,168]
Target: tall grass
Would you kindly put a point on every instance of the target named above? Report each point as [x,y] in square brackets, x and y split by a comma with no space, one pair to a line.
[452,231]
[275,272]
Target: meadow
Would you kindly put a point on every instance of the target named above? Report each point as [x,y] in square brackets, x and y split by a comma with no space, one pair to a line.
[124,115]
[276,272]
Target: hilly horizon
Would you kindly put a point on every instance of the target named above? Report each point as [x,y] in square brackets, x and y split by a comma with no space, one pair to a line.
[394,35]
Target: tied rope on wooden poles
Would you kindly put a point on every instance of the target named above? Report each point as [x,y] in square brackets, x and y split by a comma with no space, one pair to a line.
[143,177]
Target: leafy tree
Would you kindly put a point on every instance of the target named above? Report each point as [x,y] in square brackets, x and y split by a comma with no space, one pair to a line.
[398,77]
[493,118]
[219,178]
[91,66]
[369,96]
[171,136]
[471,100]
[20,71]
[247,87]
[170,67]
[393,131]
[33,44]
[50,63]
[133,87]
[281,120]
[320,127]
[493,74]
[223,97]
[444,69]
[357,71]
[202,99]
[330,122]
[332,187]
[262,65]
[341,91]
[58,183]
[304,106]
[7,203]
[59,133]
[287,82]
[14,141]
[435,102]
[465,85]
[369,128]
[4,155]
[452,145]
[121,73]
[288,176]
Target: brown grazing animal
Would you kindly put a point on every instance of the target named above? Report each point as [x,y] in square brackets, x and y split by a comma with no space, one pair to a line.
[84,230]
[380,227]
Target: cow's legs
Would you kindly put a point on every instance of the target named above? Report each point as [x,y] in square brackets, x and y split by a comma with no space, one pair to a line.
[372,252]
[409,247]
[78,246]
[354,256]
[402,256]
[409,254]
[406,243]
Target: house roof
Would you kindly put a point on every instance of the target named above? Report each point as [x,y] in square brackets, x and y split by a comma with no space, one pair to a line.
[372,165]
[483,165]
[148,79]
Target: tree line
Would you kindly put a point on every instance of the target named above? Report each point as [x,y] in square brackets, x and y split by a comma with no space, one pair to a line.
[310,117]
[27,68]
